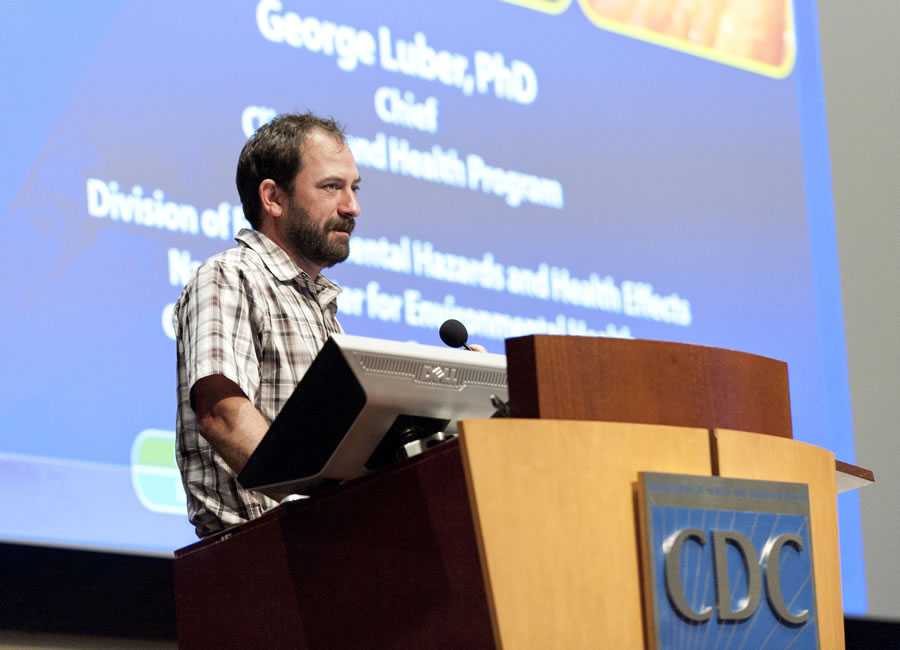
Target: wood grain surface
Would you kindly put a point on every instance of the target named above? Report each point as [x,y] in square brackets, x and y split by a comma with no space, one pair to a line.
[649,382]
[555,517]
[748,455]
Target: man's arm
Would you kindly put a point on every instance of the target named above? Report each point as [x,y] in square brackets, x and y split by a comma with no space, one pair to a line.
[227,419]
[217,335]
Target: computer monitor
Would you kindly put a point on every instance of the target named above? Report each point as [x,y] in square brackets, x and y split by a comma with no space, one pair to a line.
[362,401]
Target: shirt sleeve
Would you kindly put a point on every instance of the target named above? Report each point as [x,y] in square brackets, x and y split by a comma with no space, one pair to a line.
[216,330]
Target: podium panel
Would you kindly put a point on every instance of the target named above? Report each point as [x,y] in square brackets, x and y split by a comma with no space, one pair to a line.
[555,520]
[647,382]
[385,561]
[739,454]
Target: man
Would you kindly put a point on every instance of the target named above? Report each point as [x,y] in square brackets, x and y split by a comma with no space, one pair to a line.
[253,318]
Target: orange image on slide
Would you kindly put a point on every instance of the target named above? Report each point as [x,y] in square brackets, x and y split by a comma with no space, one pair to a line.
[756,35]
[547,6]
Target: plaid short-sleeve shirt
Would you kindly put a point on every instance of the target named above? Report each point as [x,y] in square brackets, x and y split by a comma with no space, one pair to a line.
[253,316]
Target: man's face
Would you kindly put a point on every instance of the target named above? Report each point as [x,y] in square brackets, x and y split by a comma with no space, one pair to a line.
[321,212]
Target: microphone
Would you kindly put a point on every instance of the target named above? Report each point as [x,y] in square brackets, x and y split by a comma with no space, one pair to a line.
[454,334]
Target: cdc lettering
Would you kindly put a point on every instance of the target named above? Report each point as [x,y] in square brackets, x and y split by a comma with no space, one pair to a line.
[768,564]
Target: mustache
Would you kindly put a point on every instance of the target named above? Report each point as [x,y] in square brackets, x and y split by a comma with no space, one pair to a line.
[342,225]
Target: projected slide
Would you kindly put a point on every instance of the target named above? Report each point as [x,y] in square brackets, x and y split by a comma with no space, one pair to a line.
[637,170]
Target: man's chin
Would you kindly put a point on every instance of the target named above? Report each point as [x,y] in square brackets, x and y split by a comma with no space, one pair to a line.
[335,257]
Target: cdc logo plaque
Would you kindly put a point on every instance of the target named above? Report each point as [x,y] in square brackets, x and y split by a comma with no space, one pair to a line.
[726,563]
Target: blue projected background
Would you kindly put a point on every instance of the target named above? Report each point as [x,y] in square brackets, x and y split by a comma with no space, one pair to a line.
[533,166]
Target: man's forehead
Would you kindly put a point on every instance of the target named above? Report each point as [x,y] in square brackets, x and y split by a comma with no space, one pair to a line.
[321,142]
[324,155]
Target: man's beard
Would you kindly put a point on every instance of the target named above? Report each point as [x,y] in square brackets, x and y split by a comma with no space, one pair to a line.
[313,242]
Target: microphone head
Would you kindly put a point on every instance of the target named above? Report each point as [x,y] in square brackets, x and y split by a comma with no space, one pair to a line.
[454,333]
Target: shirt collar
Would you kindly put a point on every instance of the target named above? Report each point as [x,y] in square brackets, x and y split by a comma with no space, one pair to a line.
[283,267]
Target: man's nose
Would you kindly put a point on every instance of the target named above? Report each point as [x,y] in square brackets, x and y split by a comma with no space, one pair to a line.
[349,205]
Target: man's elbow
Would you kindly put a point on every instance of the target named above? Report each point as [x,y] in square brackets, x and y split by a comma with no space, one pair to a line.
[209,395]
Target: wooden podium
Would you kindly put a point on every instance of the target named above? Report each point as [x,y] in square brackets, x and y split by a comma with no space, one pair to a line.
[523,533]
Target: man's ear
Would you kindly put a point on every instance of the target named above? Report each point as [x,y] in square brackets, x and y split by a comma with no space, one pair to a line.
[271,198]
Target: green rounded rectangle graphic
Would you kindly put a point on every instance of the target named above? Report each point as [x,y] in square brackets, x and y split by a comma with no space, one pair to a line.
[154,473]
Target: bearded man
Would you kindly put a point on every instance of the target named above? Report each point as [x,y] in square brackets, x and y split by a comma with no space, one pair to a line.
[253,318]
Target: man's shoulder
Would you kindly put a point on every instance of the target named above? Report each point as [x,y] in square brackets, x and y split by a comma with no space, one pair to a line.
[230,268]
[236,258]
[238,261]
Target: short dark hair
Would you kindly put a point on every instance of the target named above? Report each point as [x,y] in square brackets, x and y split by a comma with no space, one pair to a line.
[274,151]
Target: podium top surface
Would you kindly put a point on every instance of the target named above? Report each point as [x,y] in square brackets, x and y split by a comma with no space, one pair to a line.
[647,382]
